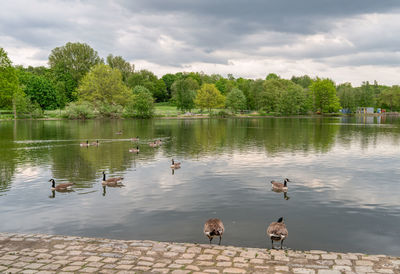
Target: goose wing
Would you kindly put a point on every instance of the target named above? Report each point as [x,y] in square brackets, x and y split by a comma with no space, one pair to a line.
[215,225]
[277,229]
[277,184]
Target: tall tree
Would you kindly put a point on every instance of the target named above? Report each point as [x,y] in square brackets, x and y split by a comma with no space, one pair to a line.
[150,81]
[346,94]
[184,93]
[324,95]
[305,81]
[208,97]
[39,89]
[119,63]
[9,86]
[390,97]
[235,100]
[103,85]
[74,60]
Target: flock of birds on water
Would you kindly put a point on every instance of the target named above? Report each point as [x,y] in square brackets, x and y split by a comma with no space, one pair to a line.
[276,231]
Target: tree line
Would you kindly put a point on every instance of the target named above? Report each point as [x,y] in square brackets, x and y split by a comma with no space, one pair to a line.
[83,83]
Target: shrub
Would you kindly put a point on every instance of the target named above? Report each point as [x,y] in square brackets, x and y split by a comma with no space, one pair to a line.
[110,111]
[79,110]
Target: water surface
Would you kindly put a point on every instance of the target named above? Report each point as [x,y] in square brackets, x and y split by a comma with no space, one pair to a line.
[343,194]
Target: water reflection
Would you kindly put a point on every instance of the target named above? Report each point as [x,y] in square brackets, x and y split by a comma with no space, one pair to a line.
[344,175]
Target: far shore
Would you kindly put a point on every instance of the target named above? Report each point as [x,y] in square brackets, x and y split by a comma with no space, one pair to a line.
[207,116]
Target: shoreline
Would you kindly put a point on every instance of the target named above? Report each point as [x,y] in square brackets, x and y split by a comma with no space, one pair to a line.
[194,117]
[42,253]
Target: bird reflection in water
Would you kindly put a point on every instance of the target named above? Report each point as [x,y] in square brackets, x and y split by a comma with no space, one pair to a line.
[285,196]
[105,188]
[53,192]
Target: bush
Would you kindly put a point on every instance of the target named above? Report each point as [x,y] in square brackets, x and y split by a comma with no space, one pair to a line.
[142,104]
[220,114]
[110,111]
[79,110]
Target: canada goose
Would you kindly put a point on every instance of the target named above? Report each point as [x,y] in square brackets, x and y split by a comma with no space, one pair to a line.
[214,227]
[60,187]
[279,186]
[85,144]
[277,231]
[111,181]
[153,144]
[95,143]
[135,139]
[175,165]
[134,150]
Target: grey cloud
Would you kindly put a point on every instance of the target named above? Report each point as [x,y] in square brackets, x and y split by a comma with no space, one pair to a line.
[178,33]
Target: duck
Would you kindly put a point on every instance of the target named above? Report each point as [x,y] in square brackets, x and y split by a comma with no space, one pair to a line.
[134,150]
[214,227]
[135,139]
[279,186]
[60,187]
[175,165]
[95,143]
[277,231]
[85,144]
[111,181]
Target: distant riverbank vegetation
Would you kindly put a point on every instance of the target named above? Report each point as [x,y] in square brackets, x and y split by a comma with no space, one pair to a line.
[78,84]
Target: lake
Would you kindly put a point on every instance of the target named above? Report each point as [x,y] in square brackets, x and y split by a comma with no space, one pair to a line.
[343,191]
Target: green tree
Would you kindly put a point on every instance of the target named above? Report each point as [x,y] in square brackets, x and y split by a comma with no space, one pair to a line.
[256,88]
[324,95]
[39,89]
[103,86]
[142,103]
[119,63]
[150,81]
[208,97]
[346,94]
[235,100]
[272,76]
[184,93]
[365,95]
[73,60]
[390,97]
[169,80]
[284,97]
[9,85]
[305,81]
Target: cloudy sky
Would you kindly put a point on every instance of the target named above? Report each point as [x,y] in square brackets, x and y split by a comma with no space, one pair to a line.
[345,40]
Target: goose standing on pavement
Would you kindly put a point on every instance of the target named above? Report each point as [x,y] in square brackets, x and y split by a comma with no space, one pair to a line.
[214,227]
[277,231]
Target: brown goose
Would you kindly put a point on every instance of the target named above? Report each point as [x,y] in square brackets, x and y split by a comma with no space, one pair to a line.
[111,181]
[279,186]
[175,165]
[60,187]
[134,150]
[85,144]
[95,143]
[214,227]
[277,232]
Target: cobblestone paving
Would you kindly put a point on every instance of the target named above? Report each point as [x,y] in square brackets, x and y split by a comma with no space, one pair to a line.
[34,253]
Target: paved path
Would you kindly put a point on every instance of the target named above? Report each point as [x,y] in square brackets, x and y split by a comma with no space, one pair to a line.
[24,253]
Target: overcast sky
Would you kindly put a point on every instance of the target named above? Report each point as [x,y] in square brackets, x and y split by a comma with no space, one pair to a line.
[345,40]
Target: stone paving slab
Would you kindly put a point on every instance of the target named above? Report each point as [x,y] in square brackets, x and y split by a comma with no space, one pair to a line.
[38,253]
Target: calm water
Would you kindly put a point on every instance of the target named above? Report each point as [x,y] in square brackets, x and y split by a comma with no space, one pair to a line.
[343,195]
